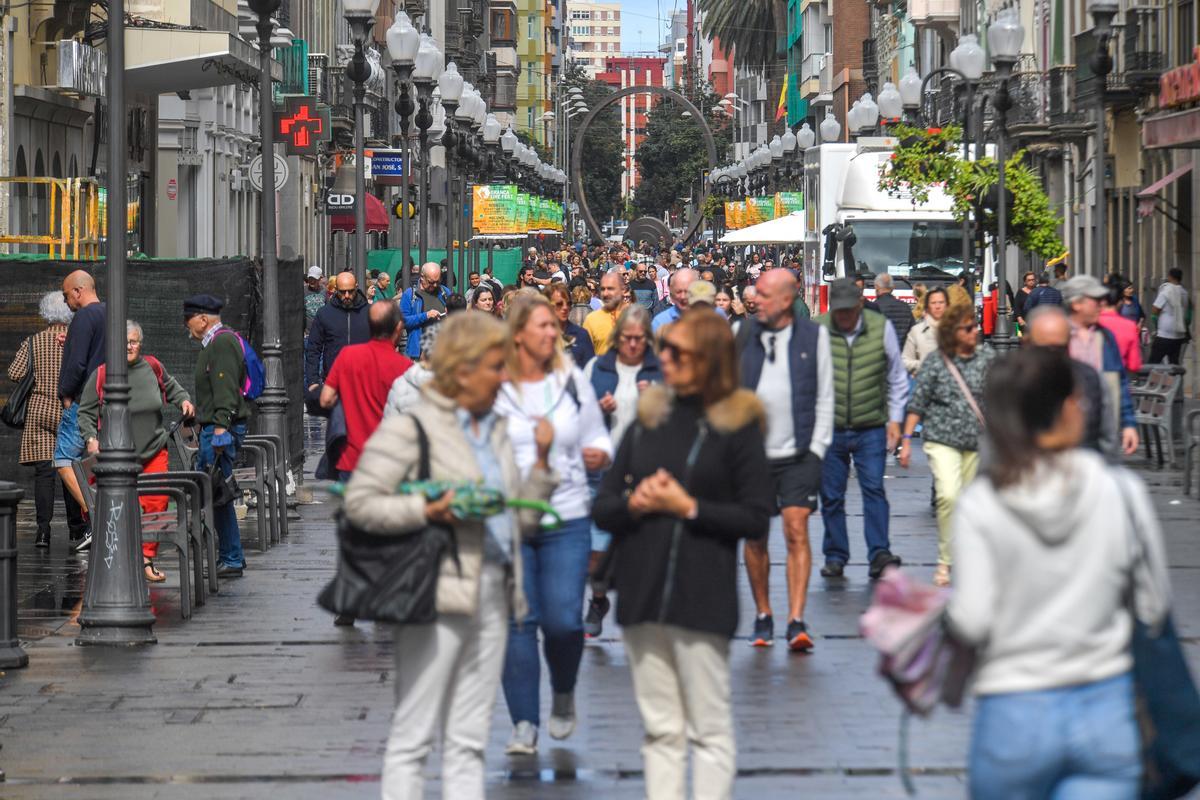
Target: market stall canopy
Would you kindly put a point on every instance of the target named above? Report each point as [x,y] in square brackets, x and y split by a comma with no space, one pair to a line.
[782,230]
[377,218]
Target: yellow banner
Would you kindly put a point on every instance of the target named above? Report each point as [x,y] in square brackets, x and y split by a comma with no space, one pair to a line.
[734,214]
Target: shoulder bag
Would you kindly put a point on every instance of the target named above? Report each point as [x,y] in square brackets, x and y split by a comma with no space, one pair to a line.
[390,578]
[1167,703]
[966,390]
[13,413]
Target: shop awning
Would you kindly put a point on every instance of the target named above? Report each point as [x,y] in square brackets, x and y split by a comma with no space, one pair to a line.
[163,60]
[377,218]
[1147,196]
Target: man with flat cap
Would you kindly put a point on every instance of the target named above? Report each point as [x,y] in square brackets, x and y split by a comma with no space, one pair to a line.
[870,390]
[221,412]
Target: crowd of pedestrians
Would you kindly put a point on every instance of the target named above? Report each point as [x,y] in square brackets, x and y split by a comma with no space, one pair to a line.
[667,406]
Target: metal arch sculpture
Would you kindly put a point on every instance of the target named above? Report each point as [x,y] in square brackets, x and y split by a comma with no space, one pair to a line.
[577,153]
[650,229]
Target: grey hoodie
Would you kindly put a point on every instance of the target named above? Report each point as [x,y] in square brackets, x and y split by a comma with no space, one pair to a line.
[1042,568]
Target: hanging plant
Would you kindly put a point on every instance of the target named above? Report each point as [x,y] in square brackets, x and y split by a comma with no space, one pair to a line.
[926,158]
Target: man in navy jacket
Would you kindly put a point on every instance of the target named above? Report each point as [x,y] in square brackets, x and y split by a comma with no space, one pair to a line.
[341,321]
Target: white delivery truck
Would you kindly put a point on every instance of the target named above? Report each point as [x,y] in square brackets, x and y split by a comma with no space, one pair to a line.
[852,227]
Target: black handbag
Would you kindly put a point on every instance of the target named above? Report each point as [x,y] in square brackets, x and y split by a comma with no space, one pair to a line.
[13,413]
[389,578]
[225,487]
[1168,705]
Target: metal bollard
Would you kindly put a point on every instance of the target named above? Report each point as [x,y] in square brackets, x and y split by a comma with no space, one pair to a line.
[11,654]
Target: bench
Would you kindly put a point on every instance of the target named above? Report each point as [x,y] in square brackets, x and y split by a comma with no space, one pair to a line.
[1154,392]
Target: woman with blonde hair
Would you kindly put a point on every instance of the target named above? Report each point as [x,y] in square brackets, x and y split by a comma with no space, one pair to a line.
[447,672]
[689,481]
[543,384]
[577,340]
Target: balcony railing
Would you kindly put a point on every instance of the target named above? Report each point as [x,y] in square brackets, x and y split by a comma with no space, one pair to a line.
[1061,105]
[1144,48]
[1027,91]
[870,65]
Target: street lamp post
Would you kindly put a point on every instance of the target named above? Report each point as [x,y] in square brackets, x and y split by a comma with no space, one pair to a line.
[360,16]
[453,91]
[403,40]
[1005,36]
[1102,12]
[427,68]
[116,603]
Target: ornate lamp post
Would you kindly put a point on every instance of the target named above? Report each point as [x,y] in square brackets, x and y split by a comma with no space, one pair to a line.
[1005,36]
[427,68]
[360,16]
[830,129]
[403,41]
[1102,12]
[116,603]
[453,90]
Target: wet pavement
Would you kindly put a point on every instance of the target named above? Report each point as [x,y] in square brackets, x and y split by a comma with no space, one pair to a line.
[260,696]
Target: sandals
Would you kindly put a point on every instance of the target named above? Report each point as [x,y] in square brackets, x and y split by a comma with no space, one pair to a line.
[153,575]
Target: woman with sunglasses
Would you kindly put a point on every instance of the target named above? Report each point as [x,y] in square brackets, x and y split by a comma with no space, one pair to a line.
[690,480]
[544,384]
[947,399]
[578,340]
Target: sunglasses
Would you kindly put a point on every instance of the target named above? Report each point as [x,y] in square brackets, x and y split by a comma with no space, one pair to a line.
[969,327]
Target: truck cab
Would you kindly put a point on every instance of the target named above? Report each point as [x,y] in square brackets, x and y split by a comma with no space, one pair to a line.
[853,227]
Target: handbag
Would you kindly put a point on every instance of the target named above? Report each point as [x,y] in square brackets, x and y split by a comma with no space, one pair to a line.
[1167,703]
[966,390]
[225,487]
[13,413]
[389,578]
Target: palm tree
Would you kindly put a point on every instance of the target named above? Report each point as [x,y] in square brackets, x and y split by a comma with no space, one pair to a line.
[755,30]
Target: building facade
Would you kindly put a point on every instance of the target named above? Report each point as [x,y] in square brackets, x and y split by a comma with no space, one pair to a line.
[595,30]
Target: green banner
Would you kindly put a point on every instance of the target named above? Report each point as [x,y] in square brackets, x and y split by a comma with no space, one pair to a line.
[788,202]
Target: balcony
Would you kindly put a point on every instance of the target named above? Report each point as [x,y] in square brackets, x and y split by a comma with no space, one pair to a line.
[943,14]
[870,65]
[503,26]
[1144,49]
[505,93]
[1137,61]
[1066,120]
[1028,119]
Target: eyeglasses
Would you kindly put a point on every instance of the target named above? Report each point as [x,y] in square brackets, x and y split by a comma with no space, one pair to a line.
[968,328]
[635,338]
[133,343]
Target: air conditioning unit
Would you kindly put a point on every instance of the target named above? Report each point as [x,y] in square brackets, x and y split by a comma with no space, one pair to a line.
[318,78]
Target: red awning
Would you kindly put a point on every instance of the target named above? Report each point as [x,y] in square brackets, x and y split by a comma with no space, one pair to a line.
[377,218]
[1146,196]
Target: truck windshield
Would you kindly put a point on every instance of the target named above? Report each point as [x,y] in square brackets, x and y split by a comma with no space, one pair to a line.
[920,248]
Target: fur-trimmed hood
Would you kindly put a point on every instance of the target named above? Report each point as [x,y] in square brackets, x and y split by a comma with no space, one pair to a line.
[727,416]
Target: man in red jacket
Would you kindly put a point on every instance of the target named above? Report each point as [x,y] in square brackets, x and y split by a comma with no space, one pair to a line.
[1125,331]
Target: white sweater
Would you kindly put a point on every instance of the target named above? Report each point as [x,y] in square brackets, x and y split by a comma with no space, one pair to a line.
[576,426]
[1041,570]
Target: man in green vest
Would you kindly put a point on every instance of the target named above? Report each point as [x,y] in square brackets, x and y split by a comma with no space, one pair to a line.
[870,387]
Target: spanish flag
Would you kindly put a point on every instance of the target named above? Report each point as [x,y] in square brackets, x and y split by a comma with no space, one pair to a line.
[781,110]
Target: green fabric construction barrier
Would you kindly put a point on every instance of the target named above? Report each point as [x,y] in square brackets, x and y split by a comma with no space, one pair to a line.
[506,262]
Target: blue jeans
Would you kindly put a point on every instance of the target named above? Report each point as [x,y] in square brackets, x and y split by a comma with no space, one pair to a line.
[869,450]
[556,565]
[1074,743]
[228,534]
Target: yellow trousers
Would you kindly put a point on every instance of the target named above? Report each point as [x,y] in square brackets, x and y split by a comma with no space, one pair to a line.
[952,470]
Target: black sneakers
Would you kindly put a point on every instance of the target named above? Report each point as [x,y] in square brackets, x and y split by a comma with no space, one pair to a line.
[798,638]
[764,631]
[882,560]
[593,623]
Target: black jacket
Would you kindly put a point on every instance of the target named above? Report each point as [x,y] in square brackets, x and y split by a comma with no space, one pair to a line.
[335,326]
[899,312]
[684,572]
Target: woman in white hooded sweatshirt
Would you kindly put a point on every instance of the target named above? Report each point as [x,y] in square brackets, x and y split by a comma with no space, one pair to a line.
[1046,545]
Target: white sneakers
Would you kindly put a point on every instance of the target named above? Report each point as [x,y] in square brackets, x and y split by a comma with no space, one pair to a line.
[523,741]
[562,716]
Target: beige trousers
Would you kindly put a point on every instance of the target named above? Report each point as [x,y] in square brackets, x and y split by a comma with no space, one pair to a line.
[681,682]
[952,470]
[447,674]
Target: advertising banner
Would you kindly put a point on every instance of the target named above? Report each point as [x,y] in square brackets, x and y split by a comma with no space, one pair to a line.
[495,210]
[788,202]
[734,213]
[759,209]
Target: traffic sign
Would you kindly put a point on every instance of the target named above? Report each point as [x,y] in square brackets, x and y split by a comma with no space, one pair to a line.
[398,210]
[387,166]
[281,172]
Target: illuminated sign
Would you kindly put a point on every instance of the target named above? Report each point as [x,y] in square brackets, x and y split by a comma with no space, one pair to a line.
[339,203]
[303,126]
[1181,85]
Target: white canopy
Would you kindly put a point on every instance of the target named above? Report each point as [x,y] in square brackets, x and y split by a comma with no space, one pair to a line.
[781,230]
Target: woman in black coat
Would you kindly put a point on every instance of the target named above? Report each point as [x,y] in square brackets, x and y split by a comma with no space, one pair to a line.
[689,480]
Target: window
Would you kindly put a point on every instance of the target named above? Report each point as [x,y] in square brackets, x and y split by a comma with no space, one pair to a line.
[529,73]
[1185,25]
[531,26]
[530,118]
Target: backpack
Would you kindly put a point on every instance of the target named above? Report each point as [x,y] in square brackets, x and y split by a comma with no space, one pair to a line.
[155,365]
[256,373]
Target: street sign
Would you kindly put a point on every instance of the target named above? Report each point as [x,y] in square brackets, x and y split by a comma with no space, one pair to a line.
[303,125]
[281,173]
[387,166]
[172,189]
[339,203]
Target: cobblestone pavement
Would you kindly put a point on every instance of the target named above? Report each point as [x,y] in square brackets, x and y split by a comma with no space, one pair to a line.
[259,695]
